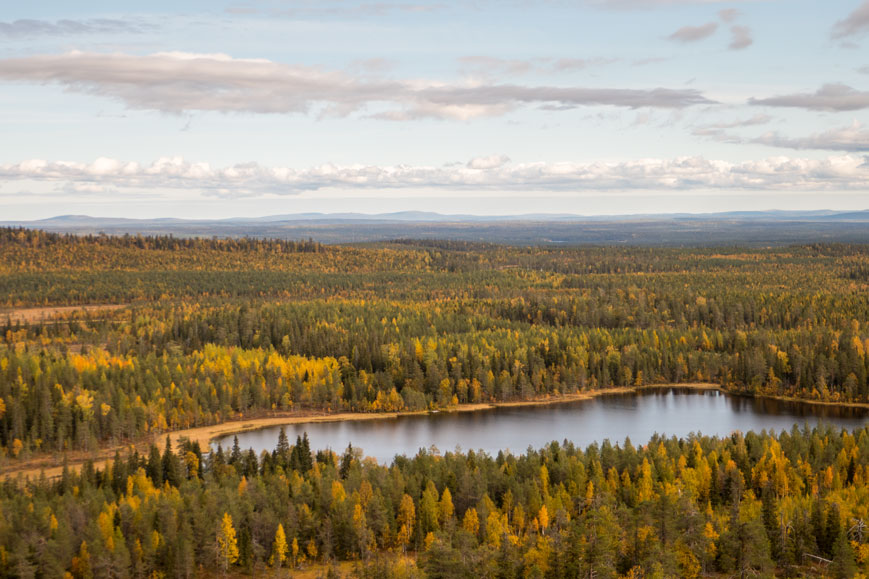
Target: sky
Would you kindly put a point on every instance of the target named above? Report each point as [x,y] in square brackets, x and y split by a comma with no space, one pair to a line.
[242,108]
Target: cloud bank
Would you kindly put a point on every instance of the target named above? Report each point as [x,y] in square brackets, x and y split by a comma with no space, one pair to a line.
[29,28]
[179,82]
[830,97]
[850,139]
[494,173]
[853,139]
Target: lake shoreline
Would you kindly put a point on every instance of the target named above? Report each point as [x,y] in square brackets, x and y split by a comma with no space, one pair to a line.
[262,423]
[52,466]
[205,435]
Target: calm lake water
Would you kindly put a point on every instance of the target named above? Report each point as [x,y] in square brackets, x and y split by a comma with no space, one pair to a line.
[667,411]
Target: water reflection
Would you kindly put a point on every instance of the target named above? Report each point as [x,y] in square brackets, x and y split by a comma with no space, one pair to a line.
[668,411]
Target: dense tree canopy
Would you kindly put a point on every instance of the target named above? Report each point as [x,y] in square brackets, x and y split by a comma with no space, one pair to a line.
[792,503]
[216,329]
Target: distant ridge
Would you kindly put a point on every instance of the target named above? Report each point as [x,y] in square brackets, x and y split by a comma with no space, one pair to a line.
[726,228]
[432,217]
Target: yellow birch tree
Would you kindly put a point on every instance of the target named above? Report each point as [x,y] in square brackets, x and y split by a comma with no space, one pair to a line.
[227,544]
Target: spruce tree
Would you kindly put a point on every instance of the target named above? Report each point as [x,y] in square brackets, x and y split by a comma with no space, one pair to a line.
[844,565]
[154,468]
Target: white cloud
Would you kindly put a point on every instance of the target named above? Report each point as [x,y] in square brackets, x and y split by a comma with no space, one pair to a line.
[830,97]
[180,82]
[490,162]
[855,23]
[495,173]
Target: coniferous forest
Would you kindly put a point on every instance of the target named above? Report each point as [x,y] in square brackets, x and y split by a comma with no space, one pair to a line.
[212,330]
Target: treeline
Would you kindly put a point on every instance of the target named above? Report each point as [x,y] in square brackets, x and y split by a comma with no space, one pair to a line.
[792,504]
[35,238]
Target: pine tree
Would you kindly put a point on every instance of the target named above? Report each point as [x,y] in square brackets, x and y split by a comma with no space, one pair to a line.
[155,466]
[844,565]
[186,558]
[307,459]
[346,462]
[235,455]
[282,450]
[300,457]
[245,546]
[833,530]
[770,515]
[119,473]
[171,466]
[218,461]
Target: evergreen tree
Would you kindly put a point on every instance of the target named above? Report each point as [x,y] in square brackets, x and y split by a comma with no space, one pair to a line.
[170,465]
[844,565]
[155,465]
[282,451]
[346,462]
[771,523]
[235,455]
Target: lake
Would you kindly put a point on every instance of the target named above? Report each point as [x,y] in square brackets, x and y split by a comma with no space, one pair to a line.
[671,411]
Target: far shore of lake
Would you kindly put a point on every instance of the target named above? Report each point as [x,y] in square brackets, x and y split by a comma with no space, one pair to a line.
[51,465]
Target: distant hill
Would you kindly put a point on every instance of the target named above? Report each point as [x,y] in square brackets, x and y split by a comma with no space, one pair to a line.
[729,228]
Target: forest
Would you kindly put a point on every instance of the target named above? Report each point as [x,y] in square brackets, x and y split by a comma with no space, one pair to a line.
[216,329]
[212,330]
[793,504]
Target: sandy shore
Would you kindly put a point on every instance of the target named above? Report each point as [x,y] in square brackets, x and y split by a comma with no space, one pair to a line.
[50,466]
[806,401]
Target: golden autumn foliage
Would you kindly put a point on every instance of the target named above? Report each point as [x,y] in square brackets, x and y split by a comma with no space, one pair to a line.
[227,543]
[279,548]
[217,329]
[212,330]
[708,508]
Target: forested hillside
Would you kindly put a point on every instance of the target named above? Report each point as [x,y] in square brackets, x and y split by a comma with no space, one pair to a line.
[217,329]
[794,504]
